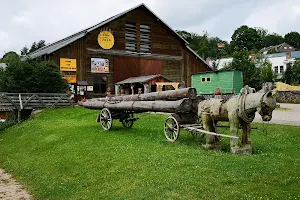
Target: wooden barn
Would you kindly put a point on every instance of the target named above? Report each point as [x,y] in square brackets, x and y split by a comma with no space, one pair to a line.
[131,44]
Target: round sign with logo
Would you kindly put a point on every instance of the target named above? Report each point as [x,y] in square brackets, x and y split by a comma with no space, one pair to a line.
[106,39]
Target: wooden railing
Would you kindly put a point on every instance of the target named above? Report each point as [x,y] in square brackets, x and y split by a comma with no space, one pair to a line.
[21,101]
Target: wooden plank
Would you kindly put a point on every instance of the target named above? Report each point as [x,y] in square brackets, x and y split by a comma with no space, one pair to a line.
[208,132]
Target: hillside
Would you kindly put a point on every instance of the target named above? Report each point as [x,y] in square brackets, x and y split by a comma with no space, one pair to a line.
[64,154]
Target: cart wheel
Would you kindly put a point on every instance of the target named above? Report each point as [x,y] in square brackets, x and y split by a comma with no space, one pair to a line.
[171,129]
[105,119]
[127,123]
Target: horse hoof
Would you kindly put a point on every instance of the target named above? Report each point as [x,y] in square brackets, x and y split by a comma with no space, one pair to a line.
[212,147]
[246,150]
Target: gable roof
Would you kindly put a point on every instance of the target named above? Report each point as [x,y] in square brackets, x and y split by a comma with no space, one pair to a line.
[140,79]
[265,49]
[294,54]
[68,40]
[64,42]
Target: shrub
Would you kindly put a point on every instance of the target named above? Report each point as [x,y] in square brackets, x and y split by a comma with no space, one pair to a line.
[32,76]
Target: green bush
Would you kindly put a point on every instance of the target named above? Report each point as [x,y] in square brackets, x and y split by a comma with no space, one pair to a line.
[31,76]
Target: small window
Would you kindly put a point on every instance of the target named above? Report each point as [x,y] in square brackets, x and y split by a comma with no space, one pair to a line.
[202,79]
[276,69]
[281,69]
[208,79]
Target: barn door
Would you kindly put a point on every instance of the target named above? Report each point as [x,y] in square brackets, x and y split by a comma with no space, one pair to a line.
[150,67]
[126,67]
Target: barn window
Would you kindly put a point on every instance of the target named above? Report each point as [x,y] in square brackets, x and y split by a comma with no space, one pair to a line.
[145,39]
[130,37]
[208,79]
[203,79]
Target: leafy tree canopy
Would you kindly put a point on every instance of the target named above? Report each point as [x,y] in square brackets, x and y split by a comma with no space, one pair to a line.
[31,76]
[246,39]
[293,38]
[35,46]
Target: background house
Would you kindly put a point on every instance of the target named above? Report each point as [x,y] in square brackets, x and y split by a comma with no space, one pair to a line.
[284,47]
[279,61]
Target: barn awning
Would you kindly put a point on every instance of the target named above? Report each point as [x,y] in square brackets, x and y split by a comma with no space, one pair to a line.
[141,79]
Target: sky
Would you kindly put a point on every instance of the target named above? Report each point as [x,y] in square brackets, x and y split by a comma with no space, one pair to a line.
[25,21]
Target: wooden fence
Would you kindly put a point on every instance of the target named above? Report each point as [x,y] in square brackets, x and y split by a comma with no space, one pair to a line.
[22,101]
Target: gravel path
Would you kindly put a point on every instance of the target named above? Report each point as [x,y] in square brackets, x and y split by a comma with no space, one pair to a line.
[291,116]
[10,189]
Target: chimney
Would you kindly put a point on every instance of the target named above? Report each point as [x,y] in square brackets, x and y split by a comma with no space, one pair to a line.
[208,60]
[288,54]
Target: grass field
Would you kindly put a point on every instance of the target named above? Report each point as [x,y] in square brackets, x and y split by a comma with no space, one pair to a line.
[64,154]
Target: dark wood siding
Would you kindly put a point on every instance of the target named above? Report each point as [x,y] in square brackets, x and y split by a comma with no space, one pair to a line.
[164,44]
[163,41]
[75,50]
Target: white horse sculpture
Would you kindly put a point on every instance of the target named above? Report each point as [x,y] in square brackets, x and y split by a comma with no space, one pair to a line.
[238,110]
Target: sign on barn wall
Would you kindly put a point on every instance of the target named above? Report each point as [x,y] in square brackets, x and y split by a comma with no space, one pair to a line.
[67,64]
[71,79]
[106,39]
[99,65]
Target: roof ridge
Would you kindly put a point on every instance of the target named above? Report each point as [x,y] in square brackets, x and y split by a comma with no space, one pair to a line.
[43,51]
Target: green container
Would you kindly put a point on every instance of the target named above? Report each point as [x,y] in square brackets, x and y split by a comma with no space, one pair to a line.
[229,82]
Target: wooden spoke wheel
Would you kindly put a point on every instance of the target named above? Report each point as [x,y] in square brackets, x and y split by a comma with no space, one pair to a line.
[105,119]
[127,123]
[171,129]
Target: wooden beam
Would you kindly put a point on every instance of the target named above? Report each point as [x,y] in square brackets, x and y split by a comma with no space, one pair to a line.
[133,54]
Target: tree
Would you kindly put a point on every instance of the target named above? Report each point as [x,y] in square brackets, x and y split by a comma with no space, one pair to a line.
[246,39]
[272,40]
[32,76]
[9,56]
[204,45]
[24,51]
[267,74]
[262,32]
[251,74]
[292,74]
[35,46]
[293,38]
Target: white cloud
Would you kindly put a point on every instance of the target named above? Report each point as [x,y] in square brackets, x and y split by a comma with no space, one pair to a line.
[23,22]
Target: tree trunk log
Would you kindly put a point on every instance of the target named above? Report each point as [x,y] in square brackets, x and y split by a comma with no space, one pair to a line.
[179,106]
[165,95]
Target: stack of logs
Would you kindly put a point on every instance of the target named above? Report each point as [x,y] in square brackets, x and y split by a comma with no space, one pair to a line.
[173,101]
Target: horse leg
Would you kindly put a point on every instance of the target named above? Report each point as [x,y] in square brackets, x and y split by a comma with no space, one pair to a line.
[245,147]
[234,126]
[246,143]
[212,142]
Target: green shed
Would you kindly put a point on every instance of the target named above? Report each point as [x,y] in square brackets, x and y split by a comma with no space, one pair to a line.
[229,81]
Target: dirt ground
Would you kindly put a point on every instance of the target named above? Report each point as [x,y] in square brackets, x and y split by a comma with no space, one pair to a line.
[10,189]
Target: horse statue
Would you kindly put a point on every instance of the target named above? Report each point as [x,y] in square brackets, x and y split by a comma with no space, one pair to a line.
[238,110]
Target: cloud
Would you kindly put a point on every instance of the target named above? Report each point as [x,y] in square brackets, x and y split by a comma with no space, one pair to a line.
[23,22]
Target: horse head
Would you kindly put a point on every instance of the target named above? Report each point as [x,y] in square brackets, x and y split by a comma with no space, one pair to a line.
[267,105]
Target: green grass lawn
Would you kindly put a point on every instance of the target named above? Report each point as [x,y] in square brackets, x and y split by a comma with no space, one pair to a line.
[65,154]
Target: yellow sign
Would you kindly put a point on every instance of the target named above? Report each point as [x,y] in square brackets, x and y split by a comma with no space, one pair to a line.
[106,39]
[67,64]
[71,79]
